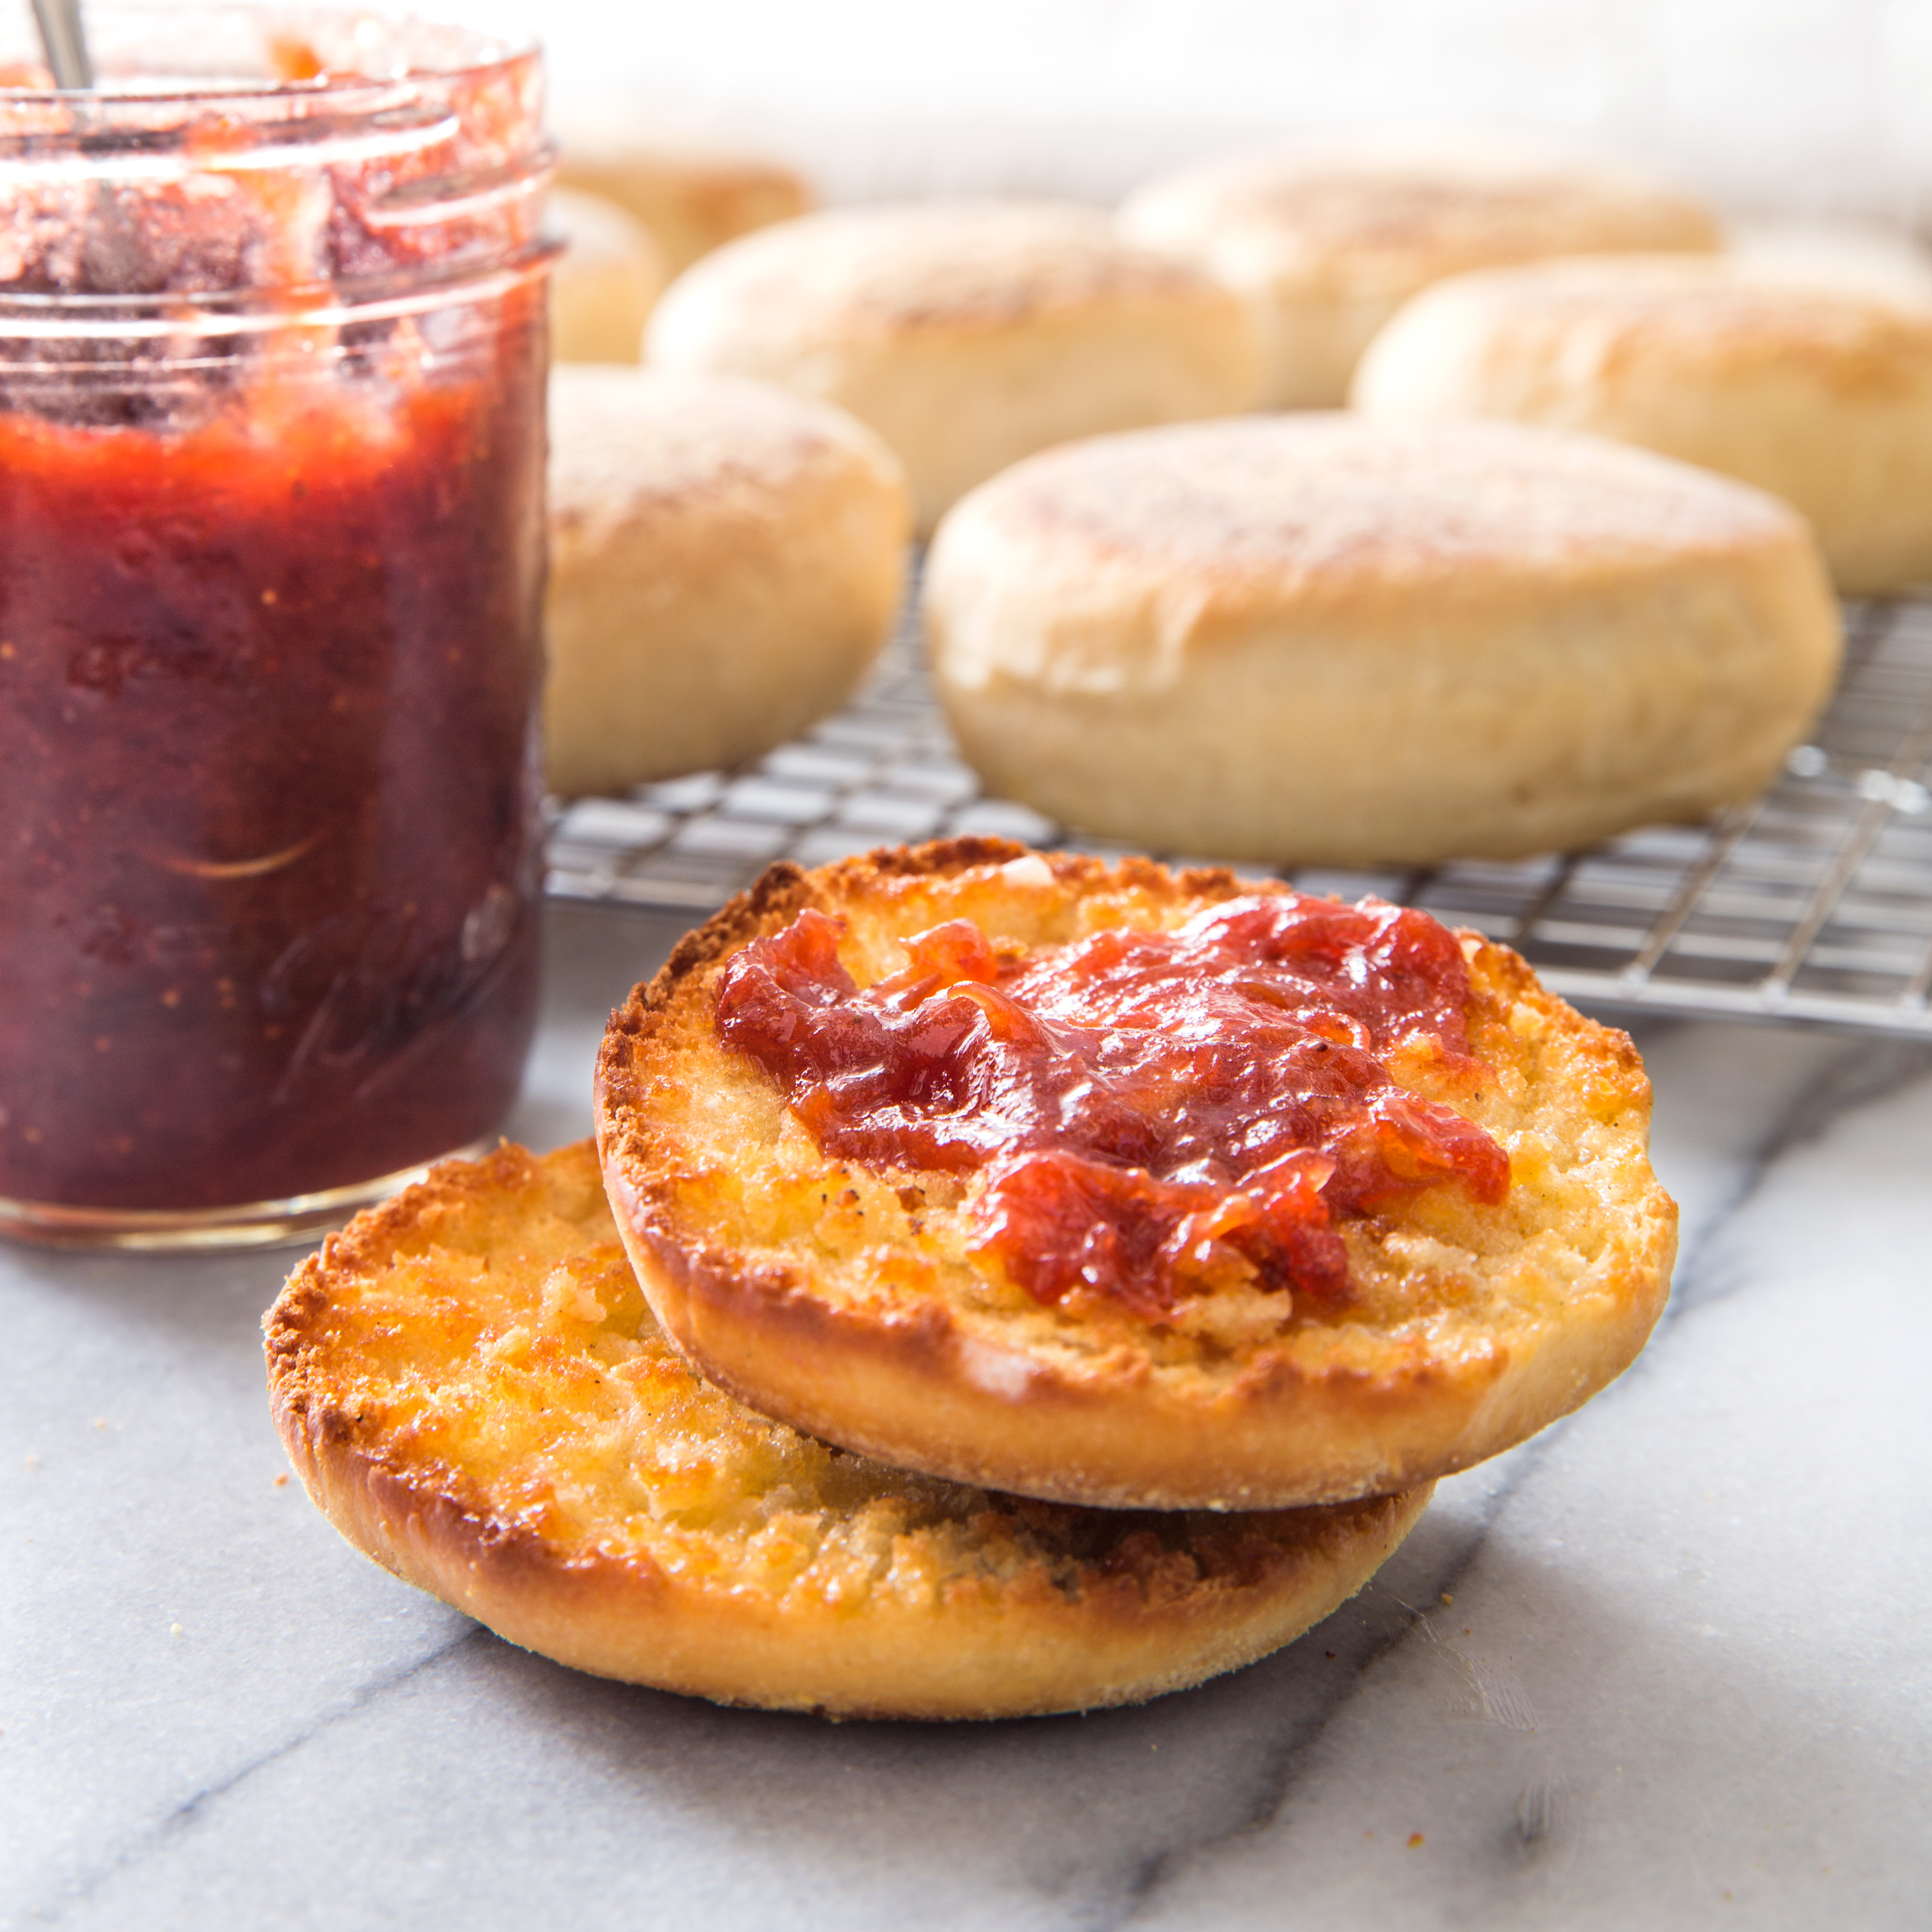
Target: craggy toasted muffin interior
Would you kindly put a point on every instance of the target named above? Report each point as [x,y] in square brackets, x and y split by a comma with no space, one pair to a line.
[854,1301]
[473,1389]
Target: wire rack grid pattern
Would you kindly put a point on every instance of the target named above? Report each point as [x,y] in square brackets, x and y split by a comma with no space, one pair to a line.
[1813,902]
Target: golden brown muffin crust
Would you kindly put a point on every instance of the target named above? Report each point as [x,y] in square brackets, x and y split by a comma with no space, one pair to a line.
[472,1388]
[851,1301]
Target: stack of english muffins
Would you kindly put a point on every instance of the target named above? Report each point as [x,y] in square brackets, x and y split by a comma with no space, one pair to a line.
[1006,1282]
[725,1405]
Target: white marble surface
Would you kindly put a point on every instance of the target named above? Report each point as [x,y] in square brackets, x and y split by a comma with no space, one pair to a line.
[1684,1678]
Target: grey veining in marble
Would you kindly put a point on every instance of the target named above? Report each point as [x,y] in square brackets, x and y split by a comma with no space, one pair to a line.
[1666,1665]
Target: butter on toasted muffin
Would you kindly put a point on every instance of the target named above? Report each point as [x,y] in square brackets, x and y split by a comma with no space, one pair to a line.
[862,1303]
[472,1386]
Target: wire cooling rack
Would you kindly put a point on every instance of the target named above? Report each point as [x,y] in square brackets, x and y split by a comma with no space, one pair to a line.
[1813,902]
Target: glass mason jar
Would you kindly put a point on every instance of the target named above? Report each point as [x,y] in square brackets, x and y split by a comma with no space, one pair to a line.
[272,356]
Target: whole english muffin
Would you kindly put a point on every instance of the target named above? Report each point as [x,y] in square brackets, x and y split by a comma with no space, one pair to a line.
[1813,382]
[967,335]
[475,1392]
[725,562]
[1839,254]
[1321,639]
[604,283]
[1310,1217]
[1326,242]
[693,194]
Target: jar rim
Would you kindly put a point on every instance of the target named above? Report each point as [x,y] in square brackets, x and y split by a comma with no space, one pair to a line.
[418,158]
[482,52]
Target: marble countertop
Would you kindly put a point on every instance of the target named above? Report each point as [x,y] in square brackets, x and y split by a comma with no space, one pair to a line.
[1668,1664]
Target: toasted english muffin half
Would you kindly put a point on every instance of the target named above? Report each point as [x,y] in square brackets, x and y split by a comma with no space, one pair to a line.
[472,1386]
[858,1304]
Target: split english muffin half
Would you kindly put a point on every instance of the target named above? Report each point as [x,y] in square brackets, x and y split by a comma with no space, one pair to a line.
[1464,1244]
[472,1386]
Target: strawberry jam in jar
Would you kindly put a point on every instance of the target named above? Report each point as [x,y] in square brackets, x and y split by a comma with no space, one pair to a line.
[272,441]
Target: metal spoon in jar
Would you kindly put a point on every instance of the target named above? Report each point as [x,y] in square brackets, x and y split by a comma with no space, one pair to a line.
[65,43]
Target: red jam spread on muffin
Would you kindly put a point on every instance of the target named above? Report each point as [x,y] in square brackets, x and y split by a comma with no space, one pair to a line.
[1157,1113]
